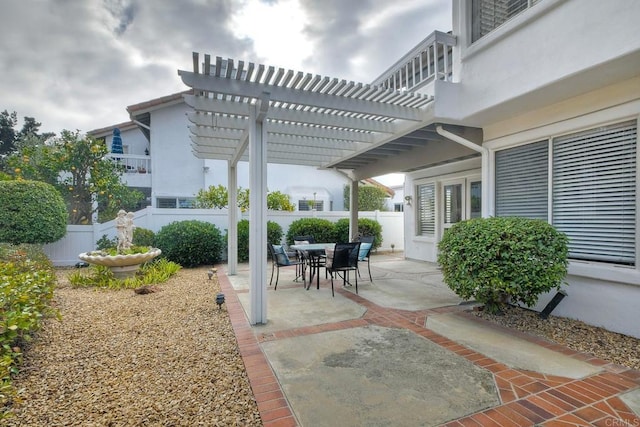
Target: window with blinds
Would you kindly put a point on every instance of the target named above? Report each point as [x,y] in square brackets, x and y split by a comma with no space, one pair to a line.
[593,187]
[522,179]
[594,197]
[488,15]
[426,209]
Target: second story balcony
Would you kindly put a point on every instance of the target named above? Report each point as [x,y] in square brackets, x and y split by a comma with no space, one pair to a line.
[431,59]
[136,168]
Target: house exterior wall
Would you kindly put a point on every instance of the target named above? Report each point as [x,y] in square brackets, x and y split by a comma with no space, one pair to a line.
[550,52]
[424,248]
[558,68]
[177,172]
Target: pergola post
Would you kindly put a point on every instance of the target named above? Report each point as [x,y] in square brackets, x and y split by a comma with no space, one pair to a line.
[353,210]
[232,251]
[258,211]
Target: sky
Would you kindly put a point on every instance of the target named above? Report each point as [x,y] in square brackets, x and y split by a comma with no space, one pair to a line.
[77,64]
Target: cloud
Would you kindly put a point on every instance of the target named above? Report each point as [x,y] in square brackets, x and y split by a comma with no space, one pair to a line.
[79,64]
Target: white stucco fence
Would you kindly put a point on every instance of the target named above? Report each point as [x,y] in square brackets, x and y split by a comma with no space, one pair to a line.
[83,238]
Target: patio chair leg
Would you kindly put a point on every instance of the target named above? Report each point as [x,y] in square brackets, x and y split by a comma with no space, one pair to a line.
[369,267]
[356,283]
[332,292]
[277,277]
[273,266]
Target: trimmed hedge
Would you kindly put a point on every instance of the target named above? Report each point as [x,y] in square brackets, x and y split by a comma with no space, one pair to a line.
[143,237]
[274,235]
[31,212]
[191,243]
[366,227]
[322,230]
[496,260]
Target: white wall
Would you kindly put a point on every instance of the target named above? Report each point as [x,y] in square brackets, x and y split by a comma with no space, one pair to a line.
[554,50]
[83,238]
[176,171]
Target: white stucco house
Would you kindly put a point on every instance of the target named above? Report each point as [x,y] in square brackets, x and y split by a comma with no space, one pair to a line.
[160,163]
[527,107]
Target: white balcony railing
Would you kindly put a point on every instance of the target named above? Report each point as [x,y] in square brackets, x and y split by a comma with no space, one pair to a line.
[431,59]
[132,163]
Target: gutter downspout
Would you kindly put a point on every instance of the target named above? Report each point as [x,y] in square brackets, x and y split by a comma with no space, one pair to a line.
[487,203]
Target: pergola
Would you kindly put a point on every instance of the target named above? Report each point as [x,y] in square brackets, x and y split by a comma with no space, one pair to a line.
[249,112]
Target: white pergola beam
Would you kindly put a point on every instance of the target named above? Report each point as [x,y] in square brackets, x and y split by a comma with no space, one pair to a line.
[284,94]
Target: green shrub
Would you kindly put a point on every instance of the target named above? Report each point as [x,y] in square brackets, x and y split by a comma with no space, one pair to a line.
[105,242]
[322,230]
[274,235]
[496,260]
[31,212]
[97,276]
[27,281]
[144,237]
[191,243]
[366,227]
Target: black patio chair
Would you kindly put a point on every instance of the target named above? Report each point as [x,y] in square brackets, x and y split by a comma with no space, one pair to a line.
[314,260]
[343,259]
[279,259]
[366,245]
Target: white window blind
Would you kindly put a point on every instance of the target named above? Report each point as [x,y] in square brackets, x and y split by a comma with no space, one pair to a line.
[522,181]
[426,209]
[487,15]
[594,197]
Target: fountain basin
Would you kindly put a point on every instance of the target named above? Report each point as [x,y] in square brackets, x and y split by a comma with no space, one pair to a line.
[123,266]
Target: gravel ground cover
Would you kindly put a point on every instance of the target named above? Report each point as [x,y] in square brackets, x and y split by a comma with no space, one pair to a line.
[117,358]
[613,347]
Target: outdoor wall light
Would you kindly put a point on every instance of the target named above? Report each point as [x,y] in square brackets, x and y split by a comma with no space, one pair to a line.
[407,200]
[220,300]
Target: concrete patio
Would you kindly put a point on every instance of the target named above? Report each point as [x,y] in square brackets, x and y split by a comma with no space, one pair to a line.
[406,351]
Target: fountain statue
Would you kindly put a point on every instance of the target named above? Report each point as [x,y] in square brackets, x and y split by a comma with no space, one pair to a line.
[122,264]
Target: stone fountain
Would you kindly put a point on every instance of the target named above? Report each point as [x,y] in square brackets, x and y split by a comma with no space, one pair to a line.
[123,265]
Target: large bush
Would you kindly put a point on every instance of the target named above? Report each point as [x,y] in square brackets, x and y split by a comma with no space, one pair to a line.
[366,227]
[274,235]
[322,230]
[31,212]
[496,260]
[27,281]
[190,243]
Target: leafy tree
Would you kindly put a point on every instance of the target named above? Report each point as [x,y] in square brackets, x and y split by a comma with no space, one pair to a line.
[31,212]
[78,169]
[277,201]
[8,122]
[217,197]
[370,198]
[10,137]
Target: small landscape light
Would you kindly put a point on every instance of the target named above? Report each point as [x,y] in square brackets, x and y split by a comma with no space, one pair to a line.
[210,274]
[220,300]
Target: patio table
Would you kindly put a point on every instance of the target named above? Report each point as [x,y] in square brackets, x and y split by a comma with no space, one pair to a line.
[313,252]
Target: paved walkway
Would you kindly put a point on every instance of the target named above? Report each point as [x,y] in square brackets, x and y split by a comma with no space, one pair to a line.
[405,352]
